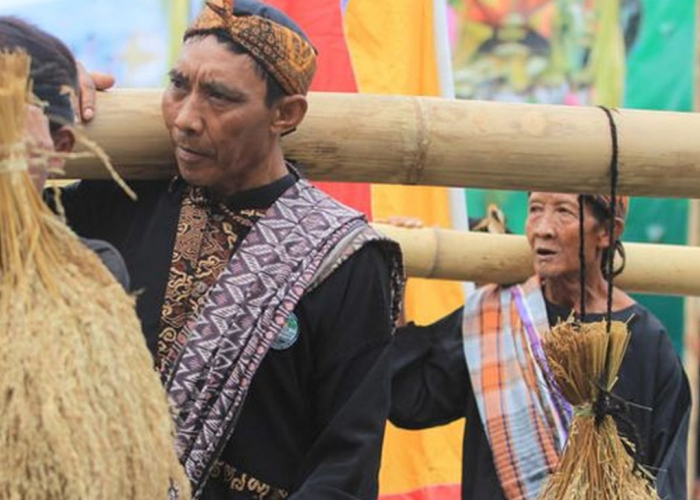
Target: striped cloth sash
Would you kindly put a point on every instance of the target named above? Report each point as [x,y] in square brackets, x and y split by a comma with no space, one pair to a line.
[524,418]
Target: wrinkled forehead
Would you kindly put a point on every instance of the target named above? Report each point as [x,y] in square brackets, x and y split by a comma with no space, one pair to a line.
[554,198]
[205,56]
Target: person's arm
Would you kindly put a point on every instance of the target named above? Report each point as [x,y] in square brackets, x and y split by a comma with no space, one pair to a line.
[112,260]
[671,413]
[88,213]
[431,383]
[90,206]
[349,315]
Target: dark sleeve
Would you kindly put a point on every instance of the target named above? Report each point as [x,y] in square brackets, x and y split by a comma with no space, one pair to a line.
[92,207]
[350,318]
[430,385]
[112,260]
[671,413]
[79,202]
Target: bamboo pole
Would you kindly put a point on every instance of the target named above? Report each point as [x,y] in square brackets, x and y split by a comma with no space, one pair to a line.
[691,351]
[494,258]
[431,141]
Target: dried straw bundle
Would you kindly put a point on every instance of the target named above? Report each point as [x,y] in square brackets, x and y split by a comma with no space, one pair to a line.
[82,413]
[595,464]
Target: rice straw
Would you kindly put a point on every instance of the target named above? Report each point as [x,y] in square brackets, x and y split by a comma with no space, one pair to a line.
[84,415]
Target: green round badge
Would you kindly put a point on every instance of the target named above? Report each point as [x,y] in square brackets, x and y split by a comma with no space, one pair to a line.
[288,335]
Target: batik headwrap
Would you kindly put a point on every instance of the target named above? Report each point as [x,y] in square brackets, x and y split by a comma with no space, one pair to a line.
[605,202]
[282,50]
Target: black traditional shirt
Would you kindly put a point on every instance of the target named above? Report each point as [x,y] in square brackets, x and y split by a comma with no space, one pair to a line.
[432,386]
[313,422]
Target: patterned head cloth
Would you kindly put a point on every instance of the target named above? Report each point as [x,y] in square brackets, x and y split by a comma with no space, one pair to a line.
[268,35]
[604,202]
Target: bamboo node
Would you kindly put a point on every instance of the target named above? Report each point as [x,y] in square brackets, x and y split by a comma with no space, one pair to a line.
[417,164]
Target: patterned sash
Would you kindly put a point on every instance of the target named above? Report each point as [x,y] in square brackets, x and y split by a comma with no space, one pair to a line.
[302,237]
[525,419]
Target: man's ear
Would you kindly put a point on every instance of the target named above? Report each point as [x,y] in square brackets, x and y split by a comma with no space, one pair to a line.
[289,113]
[604,234]
[63,139]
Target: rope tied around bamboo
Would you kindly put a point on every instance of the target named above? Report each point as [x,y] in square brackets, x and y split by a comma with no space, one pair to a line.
[13,158]
[83,413]
[585,360]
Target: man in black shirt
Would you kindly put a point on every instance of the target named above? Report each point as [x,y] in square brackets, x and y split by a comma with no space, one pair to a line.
[268,306]
[485,362]
[54,77]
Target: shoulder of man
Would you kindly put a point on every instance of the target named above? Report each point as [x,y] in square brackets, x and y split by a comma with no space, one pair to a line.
[371,245]
[89,202]
[643,322]
[108,190]
[650,341]
[111,258]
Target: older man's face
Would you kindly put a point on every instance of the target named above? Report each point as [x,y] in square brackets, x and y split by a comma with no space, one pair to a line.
[37,132]
[552,230]
[215,111]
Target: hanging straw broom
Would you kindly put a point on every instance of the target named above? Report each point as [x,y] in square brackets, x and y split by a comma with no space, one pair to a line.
[595,463]
[82,413]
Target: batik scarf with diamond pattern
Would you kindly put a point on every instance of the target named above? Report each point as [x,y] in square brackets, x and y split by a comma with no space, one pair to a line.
[300,241]
[285,54]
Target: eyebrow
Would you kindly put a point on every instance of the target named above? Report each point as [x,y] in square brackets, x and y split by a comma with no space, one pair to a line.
[220,88]
[567,204]
[175,74]
[558,204]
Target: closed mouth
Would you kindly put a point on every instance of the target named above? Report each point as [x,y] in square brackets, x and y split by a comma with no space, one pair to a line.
[192,151]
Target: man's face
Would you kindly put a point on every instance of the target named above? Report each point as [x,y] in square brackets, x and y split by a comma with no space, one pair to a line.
[38,134]
[552,230]
[214,109]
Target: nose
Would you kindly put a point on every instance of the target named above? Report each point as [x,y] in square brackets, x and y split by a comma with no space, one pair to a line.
[543,226]
[188,118]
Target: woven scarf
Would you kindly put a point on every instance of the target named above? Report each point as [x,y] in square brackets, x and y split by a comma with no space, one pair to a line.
[300,240]
[524,417]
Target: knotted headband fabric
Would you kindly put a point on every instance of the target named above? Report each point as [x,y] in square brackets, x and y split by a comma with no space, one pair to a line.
[272,39]
[605,202]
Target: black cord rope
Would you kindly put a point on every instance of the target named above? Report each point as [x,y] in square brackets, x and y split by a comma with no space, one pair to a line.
[582,256]
[611,252]
[614,175]
[607,403]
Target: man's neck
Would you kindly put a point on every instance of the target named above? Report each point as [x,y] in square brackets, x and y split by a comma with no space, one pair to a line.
[566,292]
[274,169]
